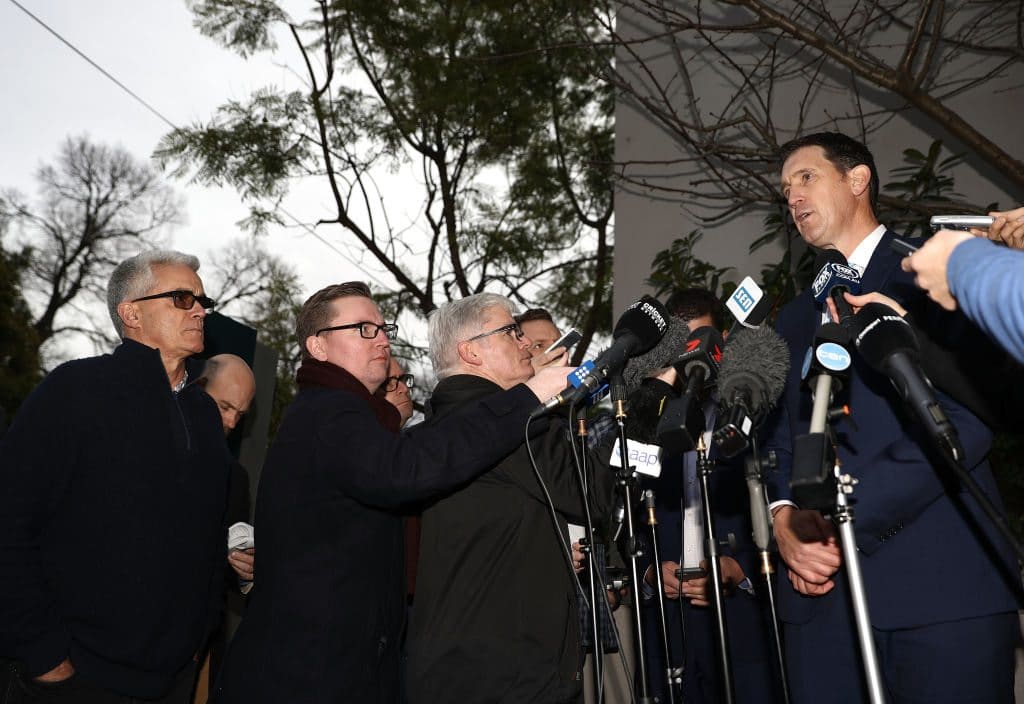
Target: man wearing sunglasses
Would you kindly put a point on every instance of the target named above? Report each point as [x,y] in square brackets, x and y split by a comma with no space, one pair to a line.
[326,614]
[114,479]
[496,615]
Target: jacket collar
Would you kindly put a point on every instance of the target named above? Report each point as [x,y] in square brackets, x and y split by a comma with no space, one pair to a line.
[458,389]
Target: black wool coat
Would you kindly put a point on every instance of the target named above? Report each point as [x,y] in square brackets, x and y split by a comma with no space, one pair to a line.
[495,616]
[327,610]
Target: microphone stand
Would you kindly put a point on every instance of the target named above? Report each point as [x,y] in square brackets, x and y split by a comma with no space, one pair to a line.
[704,469]
[842,514]
[652,521]
[626,481]
[593,578]
[762,532]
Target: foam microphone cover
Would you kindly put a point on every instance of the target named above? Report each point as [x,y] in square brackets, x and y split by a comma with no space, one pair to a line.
[658,357]
[645,321]
[878,332]
[755,360]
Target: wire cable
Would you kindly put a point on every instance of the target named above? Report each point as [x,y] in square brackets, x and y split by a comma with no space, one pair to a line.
[173,126]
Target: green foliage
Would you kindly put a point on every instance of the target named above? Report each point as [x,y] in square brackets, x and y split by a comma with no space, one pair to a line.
[926,179]
[253,146]
[243,25]
[678,267]
[19,343]
[494,106]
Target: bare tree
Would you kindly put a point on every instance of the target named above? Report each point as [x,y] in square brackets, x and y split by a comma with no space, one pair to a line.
[262,291]
[796,66]
[96,205]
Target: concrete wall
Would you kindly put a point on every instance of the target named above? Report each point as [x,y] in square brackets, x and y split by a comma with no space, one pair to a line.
[648,221]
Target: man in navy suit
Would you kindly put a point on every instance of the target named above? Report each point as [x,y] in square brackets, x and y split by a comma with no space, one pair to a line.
[942,587]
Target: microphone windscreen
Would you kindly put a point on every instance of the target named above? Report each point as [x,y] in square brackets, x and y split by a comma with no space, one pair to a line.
[643,323]
[756,359]
[878,332]
[671,345]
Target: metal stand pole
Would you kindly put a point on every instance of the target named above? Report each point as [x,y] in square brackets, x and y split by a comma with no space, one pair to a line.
[704,468]
[652,521]
[626,481]
[844,518]
[593,578]
[762,532]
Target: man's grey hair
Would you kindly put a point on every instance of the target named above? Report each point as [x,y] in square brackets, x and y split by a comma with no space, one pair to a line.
[133,277]
[456,321]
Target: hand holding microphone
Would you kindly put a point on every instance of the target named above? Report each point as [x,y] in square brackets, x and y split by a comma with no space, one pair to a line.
[639,329]
[549,381]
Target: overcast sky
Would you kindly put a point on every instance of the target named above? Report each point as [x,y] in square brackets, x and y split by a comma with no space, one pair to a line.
[49,92]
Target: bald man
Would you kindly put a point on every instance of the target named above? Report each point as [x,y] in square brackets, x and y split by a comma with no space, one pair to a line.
[230,382]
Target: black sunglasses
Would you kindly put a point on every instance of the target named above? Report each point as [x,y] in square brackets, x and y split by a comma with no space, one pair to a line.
[366,329]
[183,298]
[511,328]
[391,383]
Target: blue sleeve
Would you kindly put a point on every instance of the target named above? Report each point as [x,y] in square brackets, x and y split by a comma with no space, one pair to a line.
[988,284]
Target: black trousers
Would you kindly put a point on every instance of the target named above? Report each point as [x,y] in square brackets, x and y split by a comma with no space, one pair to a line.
[17,688]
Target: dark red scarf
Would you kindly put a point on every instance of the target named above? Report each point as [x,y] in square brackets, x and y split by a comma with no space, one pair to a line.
[316,374]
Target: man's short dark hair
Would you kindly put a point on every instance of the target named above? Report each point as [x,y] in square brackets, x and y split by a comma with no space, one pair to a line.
[317,311]
[844,152]
[690,303]
[532,314]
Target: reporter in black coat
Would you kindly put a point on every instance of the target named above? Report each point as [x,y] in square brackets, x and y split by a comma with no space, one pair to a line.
[496,616]
[326,614]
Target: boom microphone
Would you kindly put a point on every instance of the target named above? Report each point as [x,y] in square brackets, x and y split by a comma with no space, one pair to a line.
[888,344]
[750,381]
[639,329]
[835,277]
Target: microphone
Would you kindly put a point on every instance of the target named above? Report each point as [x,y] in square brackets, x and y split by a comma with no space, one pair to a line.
[639,329]
[748,305]
[887,343]
[750,382]
[826,366]
[647,399]
[835,277]
[662,355]
[683,421]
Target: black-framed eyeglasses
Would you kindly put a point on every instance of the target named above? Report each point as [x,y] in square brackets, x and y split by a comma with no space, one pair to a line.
[391,383]
[367,330]
[183,299]
[513,328]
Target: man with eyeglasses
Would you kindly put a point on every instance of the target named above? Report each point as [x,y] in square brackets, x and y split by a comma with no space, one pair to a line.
[326,614]
[496,615]
[395,390]
[114,479]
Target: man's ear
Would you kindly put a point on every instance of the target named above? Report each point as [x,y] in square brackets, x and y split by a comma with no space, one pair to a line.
[469,355]
[316,348]
[860,178]
[129,315]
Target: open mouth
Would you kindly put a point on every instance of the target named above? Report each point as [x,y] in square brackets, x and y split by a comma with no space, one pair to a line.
[800,217]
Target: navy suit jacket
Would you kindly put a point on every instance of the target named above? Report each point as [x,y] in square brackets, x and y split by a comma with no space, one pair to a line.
[928,553]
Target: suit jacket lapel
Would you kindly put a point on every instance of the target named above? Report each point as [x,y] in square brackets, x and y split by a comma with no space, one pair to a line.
[884,261]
